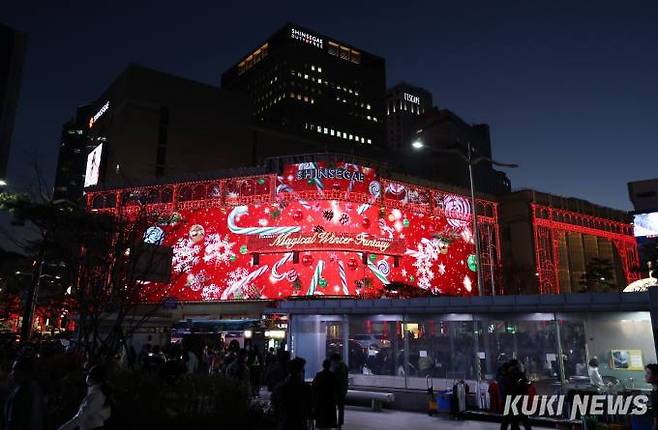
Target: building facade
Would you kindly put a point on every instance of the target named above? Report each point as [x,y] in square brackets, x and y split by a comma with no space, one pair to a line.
[149,124]
[404,106]
[310,85]
[554,244]
[12,57]
[644,196]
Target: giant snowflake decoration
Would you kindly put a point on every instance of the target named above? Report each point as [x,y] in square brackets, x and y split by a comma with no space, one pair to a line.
[218,249]
[186,255]
[196,281]
[211,292]
[427,253]
[236,277]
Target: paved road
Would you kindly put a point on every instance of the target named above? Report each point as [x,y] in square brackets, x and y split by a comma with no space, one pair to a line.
[365,419]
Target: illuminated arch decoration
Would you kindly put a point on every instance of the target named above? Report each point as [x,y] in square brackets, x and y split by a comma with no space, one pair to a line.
[550,225]
[319,229]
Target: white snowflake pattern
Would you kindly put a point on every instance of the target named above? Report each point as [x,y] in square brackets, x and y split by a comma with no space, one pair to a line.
[196,281]
[427,253]
[236,276]
[218,249]
[186,255]
[211,292]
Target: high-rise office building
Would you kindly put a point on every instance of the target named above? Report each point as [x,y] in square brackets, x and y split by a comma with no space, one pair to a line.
[404,106]
[310,85]
[12,56]
[149,124]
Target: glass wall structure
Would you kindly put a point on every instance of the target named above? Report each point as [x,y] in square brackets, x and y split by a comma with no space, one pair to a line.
[401,351]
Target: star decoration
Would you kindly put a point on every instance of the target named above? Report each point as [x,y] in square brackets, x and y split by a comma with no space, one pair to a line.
[442,269]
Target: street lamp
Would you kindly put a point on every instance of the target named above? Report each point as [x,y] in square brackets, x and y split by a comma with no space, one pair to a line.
[469,155]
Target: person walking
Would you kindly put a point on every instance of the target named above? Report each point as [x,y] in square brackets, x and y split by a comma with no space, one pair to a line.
[339,367]
[292,398]
[255,371]
[24,406]
[516,384]
[95,407]
[238,369]
[325,397]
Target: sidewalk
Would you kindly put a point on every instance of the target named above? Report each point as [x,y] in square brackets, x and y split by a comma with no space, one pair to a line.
[357,418]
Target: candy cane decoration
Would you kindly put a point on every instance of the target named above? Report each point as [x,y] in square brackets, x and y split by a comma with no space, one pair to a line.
[283,188]
[276,275]
[261,231]
[315,280]
[230,291]
[375,190]
[318,182]
[343,278]
[378,273]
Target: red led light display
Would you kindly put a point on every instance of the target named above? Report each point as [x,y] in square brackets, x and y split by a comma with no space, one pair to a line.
[318,229]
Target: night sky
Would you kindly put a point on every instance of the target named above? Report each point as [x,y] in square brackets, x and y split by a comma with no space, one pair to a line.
[570,89]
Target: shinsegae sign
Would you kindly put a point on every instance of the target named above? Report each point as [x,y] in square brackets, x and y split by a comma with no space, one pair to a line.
[330,173]
[306,37]
[360,242]
[99,114]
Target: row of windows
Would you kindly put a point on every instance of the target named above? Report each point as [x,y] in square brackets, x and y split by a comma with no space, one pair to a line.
[336,133]
[305,98]
[253,59]
[269,104]
[344,52]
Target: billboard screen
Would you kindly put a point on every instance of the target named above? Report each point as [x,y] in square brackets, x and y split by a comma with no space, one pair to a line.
[92,170]
[318,229]
[646,225]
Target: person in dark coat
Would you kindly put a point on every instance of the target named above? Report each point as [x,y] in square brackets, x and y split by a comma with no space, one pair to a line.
[292,398]
[278,370]
[339,367]
[24,406]
[516,384]
[325,397]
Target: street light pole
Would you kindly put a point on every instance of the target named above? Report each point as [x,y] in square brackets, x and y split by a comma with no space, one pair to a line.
[476,234]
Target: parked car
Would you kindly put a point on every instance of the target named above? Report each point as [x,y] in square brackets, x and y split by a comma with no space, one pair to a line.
[368,340]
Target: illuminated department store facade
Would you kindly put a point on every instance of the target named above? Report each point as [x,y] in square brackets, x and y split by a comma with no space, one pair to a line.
[330,253]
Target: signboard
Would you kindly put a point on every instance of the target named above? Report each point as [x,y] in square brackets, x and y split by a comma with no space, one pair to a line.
[306,37]
[99,114]
[626,359]
[359,242]
[92,171]
[411,98]
[323,176]
[646,224]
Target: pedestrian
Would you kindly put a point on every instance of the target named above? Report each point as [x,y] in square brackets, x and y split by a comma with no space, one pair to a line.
[255,371]
[278,371]
[24,406]
[339,367]
[325,397]
[95,407]
[292,398]
[191,360]
[651,377]
[238,369]
[516,384]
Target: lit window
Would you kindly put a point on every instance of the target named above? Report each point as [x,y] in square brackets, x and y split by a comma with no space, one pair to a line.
[319,69]
[306,99]
[344,135]
[368,107]
[350,90]
[312,67]
[326,130]
[338,86]
[350,137]
[319,80]
[356,93]
[312,101]
[369,141]
[344,101]
[356,138]
[305,76]
[305,126]
[363,140]
[312,78]
[374,119]
[332,132]
[319,129]
[292,95]
[368,116]
[299,75]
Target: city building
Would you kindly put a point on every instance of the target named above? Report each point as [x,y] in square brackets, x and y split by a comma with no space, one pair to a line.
[644,196]
[306,84]
[149,124]
[404,105]
[12,57]
[554,244]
